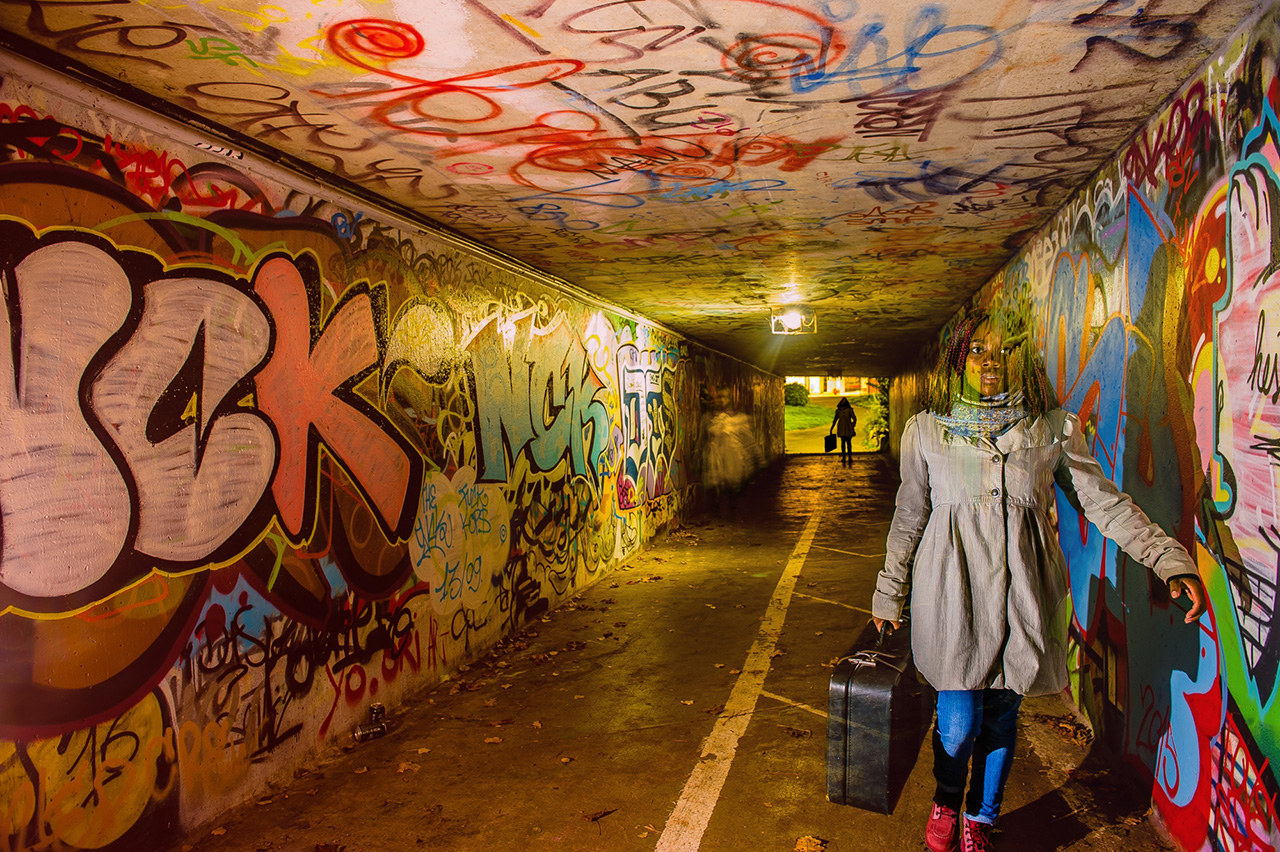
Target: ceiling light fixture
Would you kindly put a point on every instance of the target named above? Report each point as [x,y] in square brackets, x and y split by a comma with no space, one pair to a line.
[793,319]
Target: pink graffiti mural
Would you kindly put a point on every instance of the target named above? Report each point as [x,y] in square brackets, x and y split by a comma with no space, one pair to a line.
[60,488]
[171,459]
[1242,810]
[1248,424]
[167,430]
[307,389]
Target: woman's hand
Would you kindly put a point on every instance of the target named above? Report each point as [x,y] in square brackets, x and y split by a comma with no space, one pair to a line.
[1195,591]
[881,622]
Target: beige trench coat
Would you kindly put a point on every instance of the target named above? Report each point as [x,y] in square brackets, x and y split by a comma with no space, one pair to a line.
[974,538]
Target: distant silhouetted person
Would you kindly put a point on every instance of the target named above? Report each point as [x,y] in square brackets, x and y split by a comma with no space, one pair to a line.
[845,424]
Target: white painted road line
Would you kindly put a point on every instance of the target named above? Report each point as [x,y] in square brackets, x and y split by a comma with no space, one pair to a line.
[799,705]
[851,552]
[833,603]
[688,822]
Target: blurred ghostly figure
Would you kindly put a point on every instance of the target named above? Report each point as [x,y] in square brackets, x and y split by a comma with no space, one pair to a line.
[731,454]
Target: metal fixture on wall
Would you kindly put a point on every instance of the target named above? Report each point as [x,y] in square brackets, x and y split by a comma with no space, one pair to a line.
[793,319]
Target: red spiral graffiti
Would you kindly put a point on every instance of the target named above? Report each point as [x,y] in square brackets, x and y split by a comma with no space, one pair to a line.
[373,43]
[780,56]
[693,171]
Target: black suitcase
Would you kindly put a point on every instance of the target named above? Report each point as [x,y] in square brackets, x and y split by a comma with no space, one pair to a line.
[878,711]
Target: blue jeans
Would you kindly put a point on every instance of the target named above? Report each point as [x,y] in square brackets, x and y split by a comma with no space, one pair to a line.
[982,726]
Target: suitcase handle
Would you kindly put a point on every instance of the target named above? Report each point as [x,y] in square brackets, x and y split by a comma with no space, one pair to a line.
[886,629]
[874,658]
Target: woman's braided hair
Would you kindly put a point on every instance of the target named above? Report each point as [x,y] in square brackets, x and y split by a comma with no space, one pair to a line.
[1026,369]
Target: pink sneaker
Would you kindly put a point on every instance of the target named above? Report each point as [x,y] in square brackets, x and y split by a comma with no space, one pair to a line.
[943,829]
[976,836]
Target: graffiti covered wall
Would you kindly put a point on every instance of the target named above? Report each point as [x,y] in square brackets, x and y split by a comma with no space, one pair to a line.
[1156,294]
[269,457]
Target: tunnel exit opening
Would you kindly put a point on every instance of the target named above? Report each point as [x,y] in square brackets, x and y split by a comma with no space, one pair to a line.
[811,406]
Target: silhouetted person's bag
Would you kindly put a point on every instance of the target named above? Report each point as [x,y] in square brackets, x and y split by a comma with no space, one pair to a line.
[878,711]
[829,442]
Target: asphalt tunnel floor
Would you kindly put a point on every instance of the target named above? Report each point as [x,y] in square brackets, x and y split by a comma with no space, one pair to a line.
[679,704]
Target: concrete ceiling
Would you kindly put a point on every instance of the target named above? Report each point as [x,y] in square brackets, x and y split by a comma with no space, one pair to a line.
[697,161]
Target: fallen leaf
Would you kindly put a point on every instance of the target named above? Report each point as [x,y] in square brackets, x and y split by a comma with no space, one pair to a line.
[810,844]
[599,815]
[537,725]
[406,766]
[265,801]
[506,686]
[819,633]
[715,710]
[710,606]
[798,733]
[491,702]
[735,671]
[686,703]
[719,665]
[492,740]
[566,760]
[218,832]
[362,770]
[576,697]
[424,751]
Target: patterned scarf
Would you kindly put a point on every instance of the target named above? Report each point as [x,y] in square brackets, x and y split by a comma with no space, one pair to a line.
[987,417]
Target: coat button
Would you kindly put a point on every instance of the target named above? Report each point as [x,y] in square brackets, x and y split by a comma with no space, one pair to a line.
[996,459]
[995,492]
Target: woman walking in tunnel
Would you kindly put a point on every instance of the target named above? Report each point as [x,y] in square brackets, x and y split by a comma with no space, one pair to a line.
[845,424]
[972,536]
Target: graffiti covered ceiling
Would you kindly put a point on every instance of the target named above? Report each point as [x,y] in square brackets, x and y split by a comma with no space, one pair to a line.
[700,162]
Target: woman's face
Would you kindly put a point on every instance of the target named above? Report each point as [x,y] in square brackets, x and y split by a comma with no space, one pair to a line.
[985,367]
